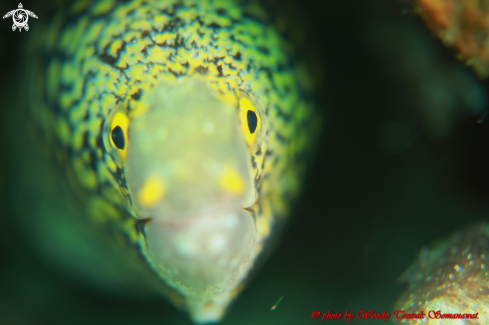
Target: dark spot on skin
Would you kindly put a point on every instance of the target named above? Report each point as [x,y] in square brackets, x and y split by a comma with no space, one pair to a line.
[99,140]
[237,56]
[219,70]
[107,58]
[263,49]
[136,95]
[200,69]
[94,159]
[86,143]
[214,25]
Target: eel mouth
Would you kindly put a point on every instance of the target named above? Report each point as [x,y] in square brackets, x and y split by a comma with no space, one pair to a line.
[202,255]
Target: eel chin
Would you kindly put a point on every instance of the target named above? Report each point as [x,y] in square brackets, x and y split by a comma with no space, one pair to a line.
[204,258]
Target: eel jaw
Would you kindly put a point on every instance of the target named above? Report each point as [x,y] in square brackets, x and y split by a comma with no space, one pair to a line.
[204,258]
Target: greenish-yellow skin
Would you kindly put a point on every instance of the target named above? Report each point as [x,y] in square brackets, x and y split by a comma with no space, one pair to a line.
[194,193]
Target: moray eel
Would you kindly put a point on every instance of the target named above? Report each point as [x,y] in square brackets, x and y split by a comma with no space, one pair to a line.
[182,130]
[449,283]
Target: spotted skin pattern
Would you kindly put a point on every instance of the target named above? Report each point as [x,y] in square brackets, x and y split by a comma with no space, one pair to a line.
[102,56]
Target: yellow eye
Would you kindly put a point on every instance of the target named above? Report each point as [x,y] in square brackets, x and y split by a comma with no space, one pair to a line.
[115,135]
[253,121]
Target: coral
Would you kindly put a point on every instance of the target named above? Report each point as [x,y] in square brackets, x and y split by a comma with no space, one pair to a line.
[462,25]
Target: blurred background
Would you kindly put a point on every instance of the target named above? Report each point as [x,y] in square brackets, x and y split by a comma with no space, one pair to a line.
[401,163]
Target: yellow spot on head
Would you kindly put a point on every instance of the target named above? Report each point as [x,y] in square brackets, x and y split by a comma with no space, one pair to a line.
[232,182]
[151,192]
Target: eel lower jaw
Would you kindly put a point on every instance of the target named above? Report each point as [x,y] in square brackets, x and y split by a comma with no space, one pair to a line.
[204,258]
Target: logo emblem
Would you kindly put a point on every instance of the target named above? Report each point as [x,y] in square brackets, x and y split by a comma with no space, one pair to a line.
[20,17]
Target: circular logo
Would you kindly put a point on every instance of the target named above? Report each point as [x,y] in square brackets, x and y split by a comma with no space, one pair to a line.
[20,18]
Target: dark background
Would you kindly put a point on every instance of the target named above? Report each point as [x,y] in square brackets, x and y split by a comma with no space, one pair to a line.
[401,162]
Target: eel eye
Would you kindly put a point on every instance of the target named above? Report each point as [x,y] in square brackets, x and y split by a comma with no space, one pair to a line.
[253,121]
[115,135]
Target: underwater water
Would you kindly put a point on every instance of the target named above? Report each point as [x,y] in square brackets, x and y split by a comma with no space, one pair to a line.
[400,164]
